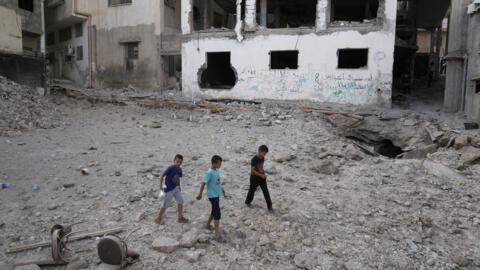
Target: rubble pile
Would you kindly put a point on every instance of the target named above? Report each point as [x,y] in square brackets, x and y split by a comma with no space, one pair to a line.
[336,205]
[22,108]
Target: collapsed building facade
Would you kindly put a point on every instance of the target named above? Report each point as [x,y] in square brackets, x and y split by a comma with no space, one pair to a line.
[338,51]
[22,41]
[114,43]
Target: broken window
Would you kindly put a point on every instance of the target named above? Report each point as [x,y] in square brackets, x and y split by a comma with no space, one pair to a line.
[352,58]
[215,14]
[287,13]
[51,38]
[78,30]
[26,4]
[131,49]
[354,10]
[218,73]
[79,53]
[118,2]
[65,34]
[174,65]
[283,59]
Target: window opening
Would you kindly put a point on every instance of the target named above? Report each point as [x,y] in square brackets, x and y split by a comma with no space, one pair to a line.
[218,73]
[26,5]
[79,52]
[132,55]
[477,86]
[284,60]
[51,38]
[354,10]
[78,30]
[217,14]
[118,2]
[352,58]
[65,34]
[288,14]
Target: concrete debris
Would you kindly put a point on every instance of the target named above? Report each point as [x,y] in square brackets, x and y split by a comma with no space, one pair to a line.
[28,267]
[21,108]
[344,199]
[165,244]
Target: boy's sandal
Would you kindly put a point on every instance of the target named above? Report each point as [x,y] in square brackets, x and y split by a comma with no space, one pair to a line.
[159,221]
[183,220]
[220,239]
[209,227]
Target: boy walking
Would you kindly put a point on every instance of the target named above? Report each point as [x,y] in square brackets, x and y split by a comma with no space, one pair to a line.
[172,189]
[214,192]
[258,177]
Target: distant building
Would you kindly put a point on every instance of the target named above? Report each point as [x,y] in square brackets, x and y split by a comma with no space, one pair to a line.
[115,43]
[21,41]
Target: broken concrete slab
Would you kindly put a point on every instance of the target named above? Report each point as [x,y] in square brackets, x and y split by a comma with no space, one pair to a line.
[325,167]
[189,239]
[420,152]
[461,141]
[165,244]
[305,260]
[283,157]
[470,155]
[28,267]
[442,171]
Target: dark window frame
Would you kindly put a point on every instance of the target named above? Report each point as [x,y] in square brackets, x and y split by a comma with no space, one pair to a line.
[50,39]
[79,53]
[113,3]
[334,17]
[27,5]
[62,33]
[274,59]
[79,26]
[347,53]
[476,86]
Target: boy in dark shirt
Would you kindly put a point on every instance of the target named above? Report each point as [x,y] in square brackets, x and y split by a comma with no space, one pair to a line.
[258,177]
[172,189]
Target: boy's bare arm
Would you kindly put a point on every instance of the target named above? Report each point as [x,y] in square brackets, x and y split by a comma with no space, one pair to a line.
[161,181]
[201,191]
[256,173]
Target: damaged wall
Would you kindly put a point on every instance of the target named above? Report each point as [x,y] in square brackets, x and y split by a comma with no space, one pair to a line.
[11,40]
[472,100]
[317,77]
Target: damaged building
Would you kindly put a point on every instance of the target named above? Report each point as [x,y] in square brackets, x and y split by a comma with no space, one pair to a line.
[115,43]
[22,41]
[462,91]
[338,51]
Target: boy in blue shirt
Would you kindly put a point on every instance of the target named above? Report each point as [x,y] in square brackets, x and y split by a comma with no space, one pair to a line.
[214,192]
[173,189]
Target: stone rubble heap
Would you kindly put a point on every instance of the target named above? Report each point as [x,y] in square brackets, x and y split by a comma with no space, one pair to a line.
[22,108]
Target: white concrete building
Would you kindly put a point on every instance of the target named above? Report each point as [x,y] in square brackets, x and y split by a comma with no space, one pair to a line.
[338,51]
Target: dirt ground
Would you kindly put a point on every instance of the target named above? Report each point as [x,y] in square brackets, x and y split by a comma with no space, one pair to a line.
[336,207]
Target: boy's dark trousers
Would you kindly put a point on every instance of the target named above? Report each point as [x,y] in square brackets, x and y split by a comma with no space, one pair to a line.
[254,183]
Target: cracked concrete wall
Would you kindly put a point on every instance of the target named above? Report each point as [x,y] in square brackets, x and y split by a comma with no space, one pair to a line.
[11,40]
[317,77]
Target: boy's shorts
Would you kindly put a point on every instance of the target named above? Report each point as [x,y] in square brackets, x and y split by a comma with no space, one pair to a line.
[215,208]
[170,195]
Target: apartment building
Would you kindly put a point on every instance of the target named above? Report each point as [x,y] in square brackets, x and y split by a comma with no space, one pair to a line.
[115,43]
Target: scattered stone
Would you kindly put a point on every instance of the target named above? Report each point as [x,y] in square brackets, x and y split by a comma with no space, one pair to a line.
[353,265]
[470,155]
[77,265]
[284,157]
[165,244]
[156,125]
[68,185]
[442,171]
[189,239]
[325,167]
[52,206]
[118,173]
[421,152]
[460,142]
[410,122]
[192,256]
[134,198]
[85,171]
[140,216]
[305,260]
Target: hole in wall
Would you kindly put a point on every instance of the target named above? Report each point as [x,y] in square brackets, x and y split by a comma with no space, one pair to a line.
[284,60]
[288,14]
[354,10]
[383,147]
[218,72]
[215,14]
[352,58]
